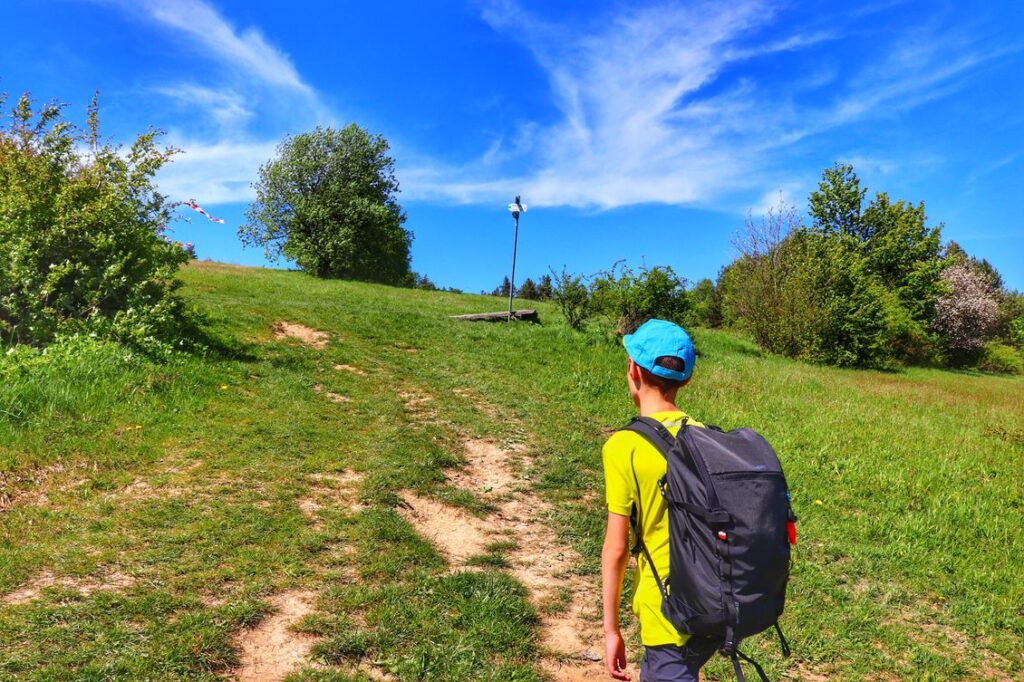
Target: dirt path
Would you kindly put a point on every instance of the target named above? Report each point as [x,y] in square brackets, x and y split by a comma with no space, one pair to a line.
[272,650]
[307,335]
[569,604]
[108,579]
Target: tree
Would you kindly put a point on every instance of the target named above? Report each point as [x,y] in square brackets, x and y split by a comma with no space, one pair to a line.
[836,205]
[422,282]
[528,290]
[82,247]
[503,288]
[329,202]
[967,313]
[545,290]
[755,281]
[956,254]
[904,253]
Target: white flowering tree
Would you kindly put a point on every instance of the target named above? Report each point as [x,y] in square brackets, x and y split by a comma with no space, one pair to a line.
[966,315]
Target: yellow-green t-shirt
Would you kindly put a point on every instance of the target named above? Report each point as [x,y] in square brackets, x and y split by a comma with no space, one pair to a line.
[620,489]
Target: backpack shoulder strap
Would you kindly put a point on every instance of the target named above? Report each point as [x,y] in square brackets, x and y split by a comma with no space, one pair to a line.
[662,439]
[655,432]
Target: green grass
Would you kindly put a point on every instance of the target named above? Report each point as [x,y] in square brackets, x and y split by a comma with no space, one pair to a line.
[187,476]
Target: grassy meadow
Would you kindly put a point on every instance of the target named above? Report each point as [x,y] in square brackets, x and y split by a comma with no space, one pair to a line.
[156,507]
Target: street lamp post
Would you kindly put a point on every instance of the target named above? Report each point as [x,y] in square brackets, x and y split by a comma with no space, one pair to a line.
[516,208]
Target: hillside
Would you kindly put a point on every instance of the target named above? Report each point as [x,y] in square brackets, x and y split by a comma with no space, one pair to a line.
[354,486]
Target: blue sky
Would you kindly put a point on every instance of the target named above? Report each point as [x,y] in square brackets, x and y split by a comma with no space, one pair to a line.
[637,131]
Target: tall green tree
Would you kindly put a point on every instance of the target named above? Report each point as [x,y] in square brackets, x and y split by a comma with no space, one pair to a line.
[835,206]
[329,202]
[528,290]
[905,253]
[545,289]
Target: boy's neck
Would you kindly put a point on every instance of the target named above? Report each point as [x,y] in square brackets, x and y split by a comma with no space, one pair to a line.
[652,402]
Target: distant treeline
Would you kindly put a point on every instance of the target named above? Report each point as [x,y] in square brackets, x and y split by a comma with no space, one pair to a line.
[862,284]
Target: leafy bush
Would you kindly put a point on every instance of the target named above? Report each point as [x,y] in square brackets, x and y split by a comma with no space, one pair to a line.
[81,235]
[573,298]
[1010,327]
[1001,358]
[1017,333]
[631,298]
[705,304]
[810,297]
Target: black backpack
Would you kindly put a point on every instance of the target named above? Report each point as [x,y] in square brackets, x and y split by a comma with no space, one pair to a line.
[730,526]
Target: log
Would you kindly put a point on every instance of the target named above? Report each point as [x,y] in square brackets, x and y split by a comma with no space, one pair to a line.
[525,315]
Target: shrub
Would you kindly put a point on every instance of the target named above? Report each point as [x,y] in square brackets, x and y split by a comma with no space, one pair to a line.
[1017,333]
[810,297]
[1010,327]
[631,298]
[1002,359]
[573,298]
[705,304]
[81,234]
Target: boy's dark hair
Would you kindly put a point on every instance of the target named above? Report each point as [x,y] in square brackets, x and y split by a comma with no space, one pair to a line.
[664,385]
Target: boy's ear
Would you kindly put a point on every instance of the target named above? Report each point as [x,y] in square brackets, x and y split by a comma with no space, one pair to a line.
[633,371]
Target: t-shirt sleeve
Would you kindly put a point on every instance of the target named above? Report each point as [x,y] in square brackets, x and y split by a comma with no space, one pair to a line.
[618,481]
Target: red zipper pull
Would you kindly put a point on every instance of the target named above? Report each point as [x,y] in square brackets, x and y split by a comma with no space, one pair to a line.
[791,531]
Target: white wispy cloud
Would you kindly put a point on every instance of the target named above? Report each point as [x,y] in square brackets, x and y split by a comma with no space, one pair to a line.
[214,172]
[227,107]
[246,50]
[253,95]
[638,123]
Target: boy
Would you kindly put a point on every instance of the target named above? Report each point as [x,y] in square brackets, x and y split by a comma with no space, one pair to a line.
[661,358]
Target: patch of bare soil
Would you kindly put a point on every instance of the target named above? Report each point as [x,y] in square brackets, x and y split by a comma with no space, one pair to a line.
[562,671]
[272,650]
[417,403]
[456,534]
[307,335]
[478,402]
[802,672]
[34,487]
[339,489]
[32,590]
[541,562]
[488,470]
[333,397]
[922,623]
[351,369]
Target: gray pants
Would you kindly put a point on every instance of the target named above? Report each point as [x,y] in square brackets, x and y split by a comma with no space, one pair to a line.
[676,663]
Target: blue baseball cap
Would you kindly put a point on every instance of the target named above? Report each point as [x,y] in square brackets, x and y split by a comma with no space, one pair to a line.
[658,338]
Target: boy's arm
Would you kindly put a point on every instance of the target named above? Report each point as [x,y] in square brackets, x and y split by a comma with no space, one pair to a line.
[614,558]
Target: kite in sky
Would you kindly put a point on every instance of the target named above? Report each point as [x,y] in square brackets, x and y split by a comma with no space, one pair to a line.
[191,203]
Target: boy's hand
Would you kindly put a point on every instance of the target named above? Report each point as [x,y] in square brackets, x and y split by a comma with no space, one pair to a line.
[615,655]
